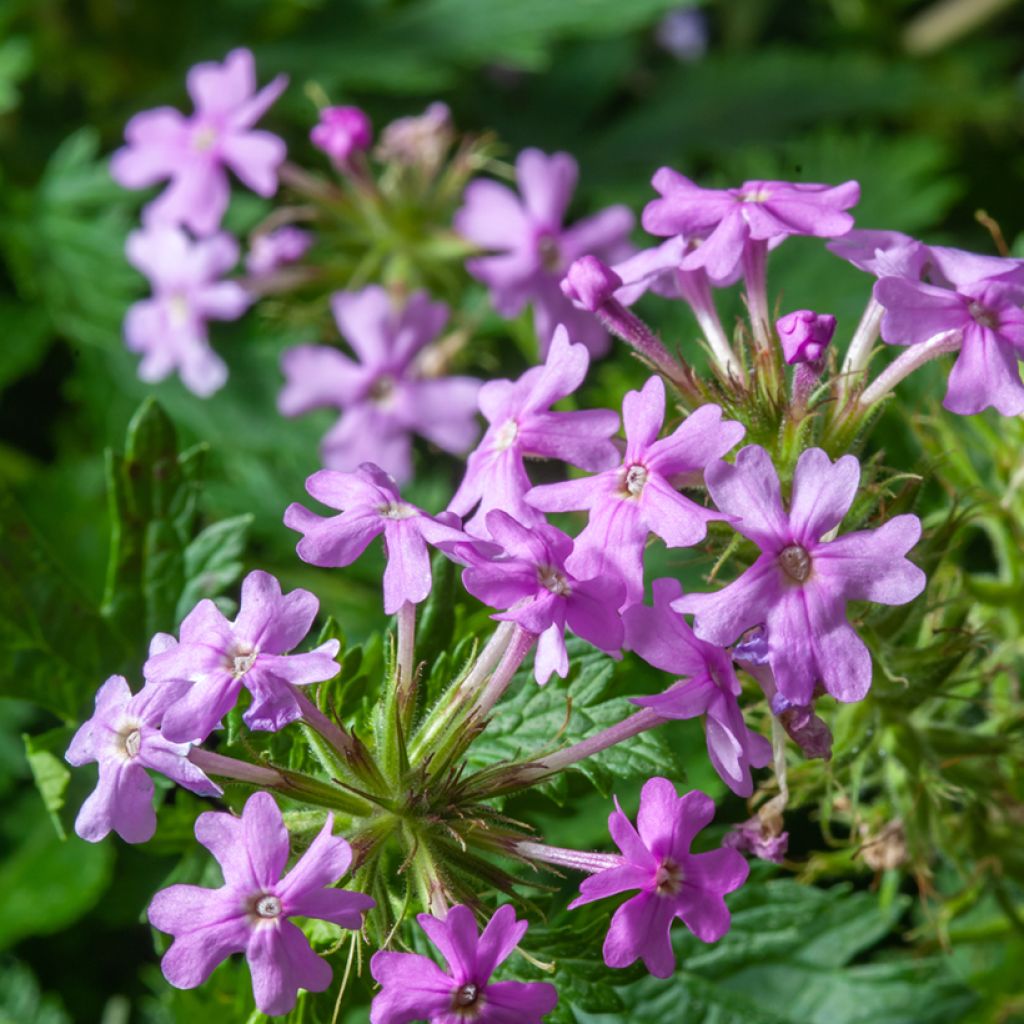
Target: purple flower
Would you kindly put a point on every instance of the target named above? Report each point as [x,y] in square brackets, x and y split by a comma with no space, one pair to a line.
[531,581]
[123,735]
[663,639]
[249,913]
[882,253]
[169,328]
[194,151]
[419,141]
[672,881]
[729,219]
[988,314]
[759,837]
[342,132]
[531,249]
[799,586]
[640,497]
[387,396]
[220,657]
[805,335]
[275,249]
[522,425]
[371,505]
[414,988]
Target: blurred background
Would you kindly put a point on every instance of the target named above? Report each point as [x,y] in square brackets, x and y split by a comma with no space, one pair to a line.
[921,102]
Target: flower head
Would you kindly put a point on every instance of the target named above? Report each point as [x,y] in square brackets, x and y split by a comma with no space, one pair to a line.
[729,219]
[169,328]
[123,735]
[531,248]
[414,988]
[805,335]
[798,587]
[371,505]
[640,497]
[522,425]
[673,882]
[342,132]
[662,638]
[249,913]
[220,657]
[386,397]
[532,582]
[195,151]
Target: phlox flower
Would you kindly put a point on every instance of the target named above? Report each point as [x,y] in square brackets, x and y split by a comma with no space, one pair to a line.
[386,396]
[673,882]
[195,152]
[531,248]
[710,688]
[124,736]
[799,586]
[249,913]
[220,657]
[371,505]
[522,425]
[414,988]
[169,328]
[640,497]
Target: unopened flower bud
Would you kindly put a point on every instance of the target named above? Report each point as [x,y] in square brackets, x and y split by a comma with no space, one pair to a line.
[590,283]
[805,335]
[342,132]
[276,249]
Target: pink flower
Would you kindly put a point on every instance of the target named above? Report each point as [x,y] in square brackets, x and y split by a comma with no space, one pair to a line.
[414,988]
[123,735]
[672,881]
[640,497]
[194,151]
[798,587]
[371,506]
[249,913]
[805,335]
[531,581]
[220,657]
[387,396]
[522,425]
[342,132]
[169,328]
[531,249]
[710,687]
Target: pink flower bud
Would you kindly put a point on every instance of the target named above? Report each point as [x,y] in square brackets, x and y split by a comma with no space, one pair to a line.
[805,335]
[342,131]
[590,283]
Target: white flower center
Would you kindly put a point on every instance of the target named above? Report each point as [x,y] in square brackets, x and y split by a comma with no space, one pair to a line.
[178,310]
[130,739]
[983,316]
[268,906]
[505,436]
[761,195]
[466,996]
[383,389]
[547,250]
[241,660]
[397,510]
[795,562]
[204,138]
[636,479]
[553,580]
[668,879]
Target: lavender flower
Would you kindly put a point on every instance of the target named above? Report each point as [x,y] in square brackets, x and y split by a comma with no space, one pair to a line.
[220,657]
[799,586]
[532,249]
[249,913]
[882,253]
[663,639]
[123,736]
[371,505]
[531,581]
[341,133]
[640,497]
[805,335]
[522,425]
[169,328]
[385,397]
[672,881]
[275,249]
[414,988]
[194,152]
[730,219]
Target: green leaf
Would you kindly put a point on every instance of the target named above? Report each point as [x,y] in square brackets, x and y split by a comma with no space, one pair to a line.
[45,755]
[213,561]
[21,1002]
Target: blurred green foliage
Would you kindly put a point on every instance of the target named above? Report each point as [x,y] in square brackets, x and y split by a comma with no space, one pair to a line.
[823,91]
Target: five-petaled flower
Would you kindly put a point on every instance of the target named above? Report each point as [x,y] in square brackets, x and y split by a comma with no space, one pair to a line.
[673,882]
[249,913]
[414,988]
